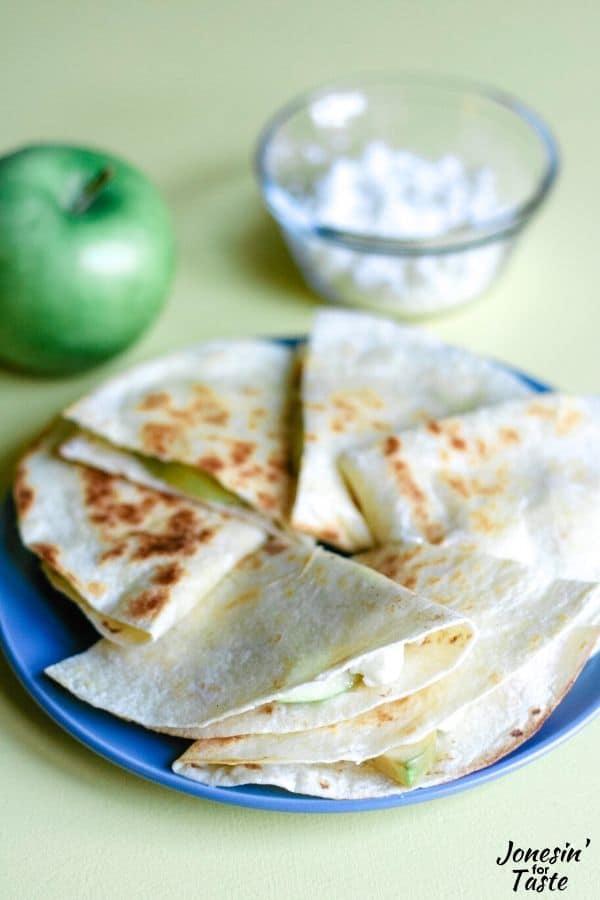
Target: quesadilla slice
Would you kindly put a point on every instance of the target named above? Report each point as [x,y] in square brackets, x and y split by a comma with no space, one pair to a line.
[214,415]
[517,614]
[133,559]
[289,623]
[520,480]
[365,377]
[473,738]
[171,478]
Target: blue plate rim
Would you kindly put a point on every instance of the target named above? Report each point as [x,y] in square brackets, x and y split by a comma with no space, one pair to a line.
[78,719]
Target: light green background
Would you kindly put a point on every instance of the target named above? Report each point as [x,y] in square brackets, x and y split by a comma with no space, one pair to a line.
[181,88]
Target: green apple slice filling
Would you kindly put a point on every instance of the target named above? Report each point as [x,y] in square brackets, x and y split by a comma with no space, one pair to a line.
[376,669]
[189,481]
[321,689]
[185,479]
[408,764]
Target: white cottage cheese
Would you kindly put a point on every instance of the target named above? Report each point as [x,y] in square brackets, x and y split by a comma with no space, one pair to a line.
[397,194]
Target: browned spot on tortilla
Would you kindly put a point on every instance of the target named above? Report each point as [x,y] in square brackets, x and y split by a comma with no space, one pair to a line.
[267,709]
[337,425]
[274,546]
[156,400]
[96,588]
[277,462]
[457,484]
[342,403]
[324,784]
[434,427]
[409,582]
[216,417]
[246,597]
[252,766]
[458,443]
[211,464]
[482,522]
[330,534]
[410,553]
[516,732]
[408,486]
[433,580]
[252,563]
[481,446]
[149,603]
[309,436]
[509,436]
[490,489]
[536,408]
[368,398]
[23,493]
[113,552]
[48,552]
[168,574]
[391,445]
[255,471]
[454,638]
[567,421]
[104,505]
[240,452]
[382,716]
[388,566]
[535,711]
[266,501]
[457,575]
[434,533]
[157,438]
[182,534]
[114,629]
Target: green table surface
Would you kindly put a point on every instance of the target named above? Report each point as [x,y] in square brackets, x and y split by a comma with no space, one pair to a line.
[181,88]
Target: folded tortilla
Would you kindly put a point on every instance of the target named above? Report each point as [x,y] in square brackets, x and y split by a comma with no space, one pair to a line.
[521,480]
[365,377]
[475,737]
[517,612]
[286,616]
[220,408]
[134,560]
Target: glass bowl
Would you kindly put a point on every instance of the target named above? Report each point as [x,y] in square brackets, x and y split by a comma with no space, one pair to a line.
[352,237]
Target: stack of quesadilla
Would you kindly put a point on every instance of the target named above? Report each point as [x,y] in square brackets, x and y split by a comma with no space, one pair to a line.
[166,507]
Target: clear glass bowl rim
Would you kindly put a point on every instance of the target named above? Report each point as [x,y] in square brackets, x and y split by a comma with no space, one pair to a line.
[497,228]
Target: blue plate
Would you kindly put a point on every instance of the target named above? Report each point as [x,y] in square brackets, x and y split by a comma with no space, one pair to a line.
[38,627]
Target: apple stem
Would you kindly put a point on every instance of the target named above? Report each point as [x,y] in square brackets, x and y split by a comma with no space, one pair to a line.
[91,190]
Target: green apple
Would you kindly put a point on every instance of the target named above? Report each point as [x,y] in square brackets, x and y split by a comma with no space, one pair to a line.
[409,763]
[86,257]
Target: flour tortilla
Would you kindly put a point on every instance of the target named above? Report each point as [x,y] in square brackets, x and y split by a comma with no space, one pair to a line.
[364,377]
[221,407]
[521,480]
[517,613]
[285,616]
[475,737]
[135,560]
